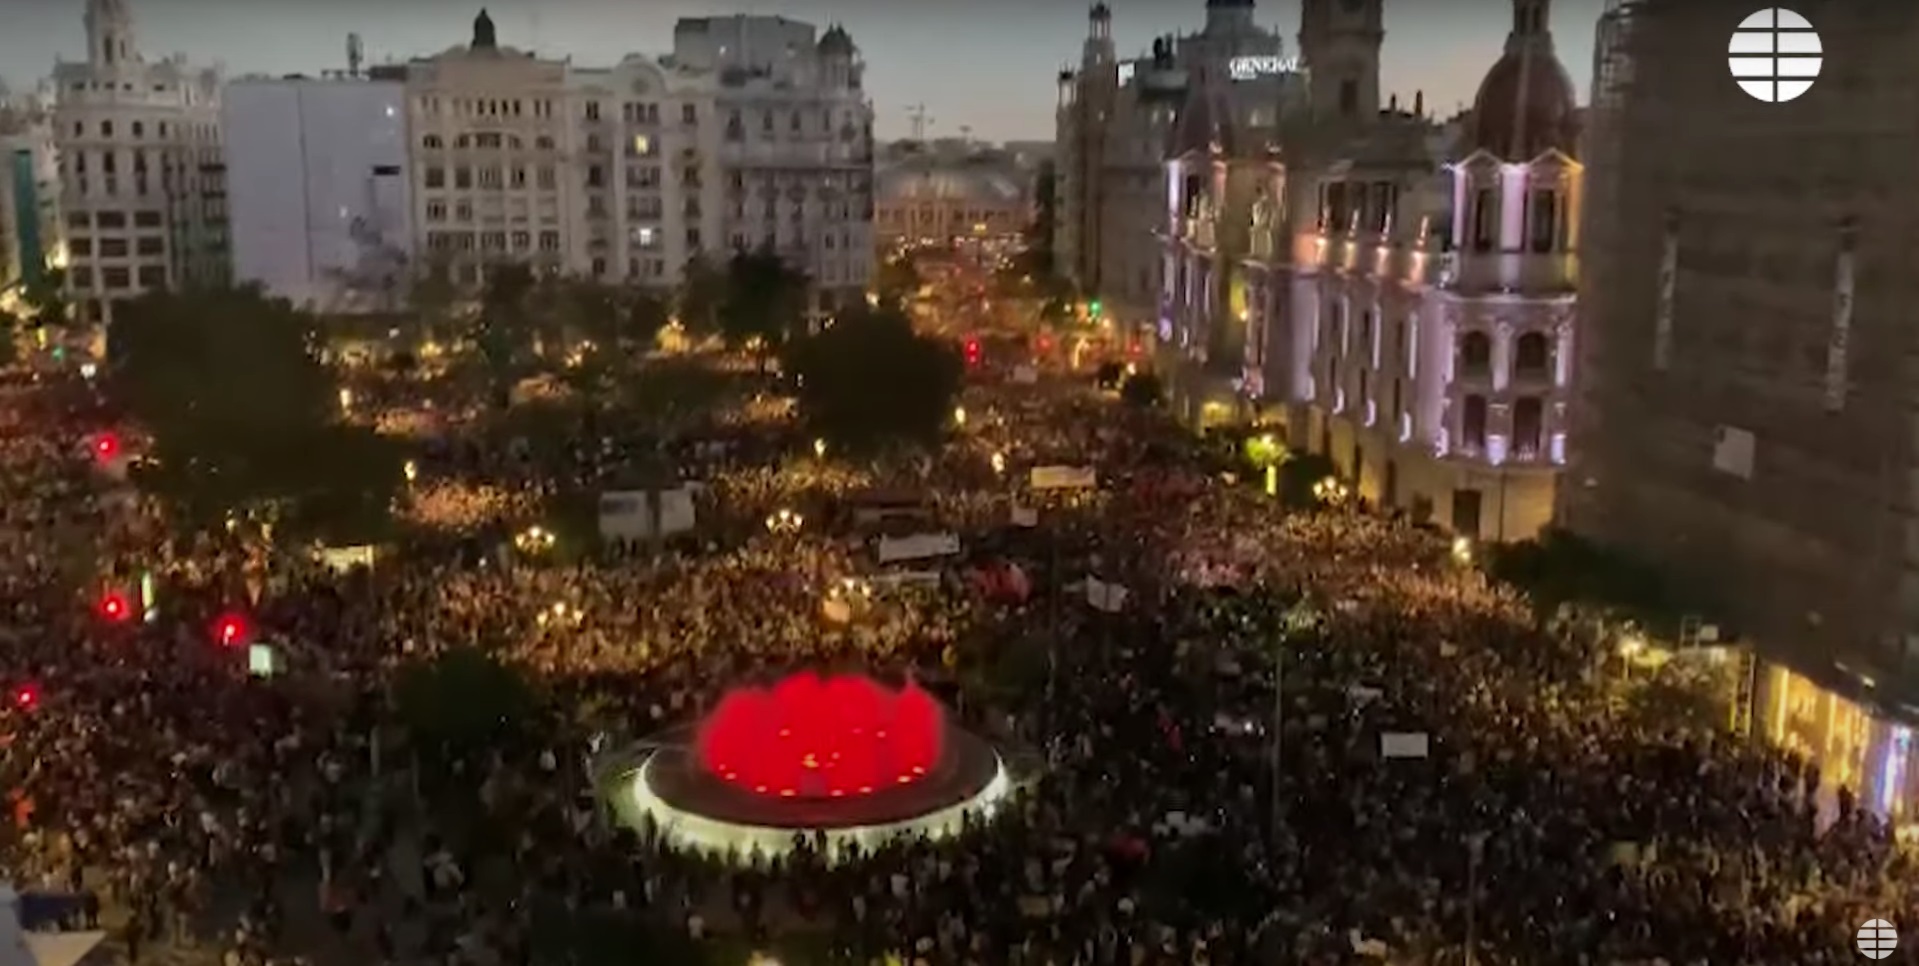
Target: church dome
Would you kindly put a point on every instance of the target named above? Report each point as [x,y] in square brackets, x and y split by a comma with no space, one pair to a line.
[1525,106]
[836,42]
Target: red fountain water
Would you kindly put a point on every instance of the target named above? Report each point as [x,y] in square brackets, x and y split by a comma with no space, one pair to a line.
[808,737]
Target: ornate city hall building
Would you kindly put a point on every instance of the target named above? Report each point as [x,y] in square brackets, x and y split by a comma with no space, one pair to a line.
[1396,294]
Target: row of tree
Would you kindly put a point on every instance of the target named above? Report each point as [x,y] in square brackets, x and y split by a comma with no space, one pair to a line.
[247,417]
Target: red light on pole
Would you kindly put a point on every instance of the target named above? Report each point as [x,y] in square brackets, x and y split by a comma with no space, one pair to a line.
[25,697]
[106,447]
[972,352]
[114,607]
[230,630]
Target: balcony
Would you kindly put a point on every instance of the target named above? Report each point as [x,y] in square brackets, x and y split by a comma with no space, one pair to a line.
[1529,272]
[790,154]
[1369,255]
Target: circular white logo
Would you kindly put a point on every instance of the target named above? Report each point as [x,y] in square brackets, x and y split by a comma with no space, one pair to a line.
[1775,55]
[1877,939]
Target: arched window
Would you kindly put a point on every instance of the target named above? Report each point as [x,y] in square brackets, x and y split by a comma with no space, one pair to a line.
[1475,354]
[1532,355]
[1472,423]
[1529,426]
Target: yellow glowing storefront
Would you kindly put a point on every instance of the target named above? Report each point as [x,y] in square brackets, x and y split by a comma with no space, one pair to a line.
[1853,746]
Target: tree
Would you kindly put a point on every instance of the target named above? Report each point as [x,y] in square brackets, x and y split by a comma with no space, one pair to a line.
[461,698]
[1142,389]
[1300,473]
[765,300]
[9,338]
[45,297]
[502,333]
[869,380]
[244,415]
[702,291]
[898,278]
[609,329]
[433,298]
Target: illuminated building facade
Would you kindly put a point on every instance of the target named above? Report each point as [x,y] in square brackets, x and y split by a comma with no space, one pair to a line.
[143,182]
[1745,416]
[1411,317]
[939,201]
[31,231]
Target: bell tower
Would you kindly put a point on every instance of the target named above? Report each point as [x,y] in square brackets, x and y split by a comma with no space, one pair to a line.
[110,34]
[1339,42]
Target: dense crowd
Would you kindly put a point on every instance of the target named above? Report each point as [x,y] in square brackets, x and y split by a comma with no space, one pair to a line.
[307,815]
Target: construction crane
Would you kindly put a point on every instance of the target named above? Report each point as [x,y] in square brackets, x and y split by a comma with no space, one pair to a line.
[918,113]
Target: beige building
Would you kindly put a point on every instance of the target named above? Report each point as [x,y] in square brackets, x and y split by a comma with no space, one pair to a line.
[143,180]
[933,200]
[1745,405]
[751,133]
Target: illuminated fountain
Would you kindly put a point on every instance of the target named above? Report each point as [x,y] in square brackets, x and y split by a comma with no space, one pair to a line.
[844,756]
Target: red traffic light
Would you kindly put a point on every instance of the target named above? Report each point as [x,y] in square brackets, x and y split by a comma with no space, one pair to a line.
[106,447]
[114,606]
[972,352]
[230,630]
[26,696]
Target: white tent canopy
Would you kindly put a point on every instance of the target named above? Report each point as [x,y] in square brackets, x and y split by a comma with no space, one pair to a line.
[21,948]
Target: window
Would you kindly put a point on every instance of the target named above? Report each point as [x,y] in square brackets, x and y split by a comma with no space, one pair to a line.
[436,211]
[106,129]
[81,276]
[543,143]
[139,129]
[519,176]
[81,247]
[1545,221]
[1472,422]
[1475,354]
[435,176]
[543,176]
[489,176]
[463,211]
[113,248]
[153,276]
[146,219]
[643,146]
[116,277]
[463,177]
[599,268]
[1348,98]
[489,139]
[1532,355]
[522,240]
[150,245]
[549,241]
[646,237]
[1529,424]
[1485,230]
[595,176]
[692,239]
[432,142]
[78,219]
[592,110]
[689,114]
[593,145]
[493,241]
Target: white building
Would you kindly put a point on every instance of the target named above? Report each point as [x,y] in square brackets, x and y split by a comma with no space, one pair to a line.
[321,212]
[32,236]
[750,133]
[144,184]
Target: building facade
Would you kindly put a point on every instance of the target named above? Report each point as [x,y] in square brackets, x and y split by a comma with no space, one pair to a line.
[750,134]
[929,200]
[1396,294]
[142,176]
[1744,416]
[32,234]
[321,213]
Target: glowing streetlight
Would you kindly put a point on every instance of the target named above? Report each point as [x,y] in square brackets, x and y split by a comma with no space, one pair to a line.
[534,540]
[412,471]
[959,416]
[999,463]
[1462,551]
[784,521]
[819,449]
[346,399]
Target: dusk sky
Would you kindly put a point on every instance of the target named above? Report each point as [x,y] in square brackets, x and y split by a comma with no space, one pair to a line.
[984,64]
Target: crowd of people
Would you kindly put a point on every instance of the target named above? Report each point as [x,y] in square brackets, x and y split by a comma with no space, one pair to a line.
[1186,811]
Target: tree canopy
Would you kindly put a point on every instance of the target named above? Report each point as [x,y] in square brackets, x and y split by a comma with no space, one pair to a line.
[462,697]
[1142,389]
[765,299]
[243,414]
[869,380]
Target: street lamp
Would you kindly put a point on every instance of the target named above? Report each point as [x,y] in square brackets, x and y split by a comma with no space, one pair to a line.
[534,540]
[784,521]
[999,464]
[1463,551]
[819,448]
[959,416]
[412,471]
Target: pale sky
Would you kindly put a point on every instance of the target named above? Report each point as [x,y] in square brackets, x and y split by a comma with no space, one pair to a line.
[984,64]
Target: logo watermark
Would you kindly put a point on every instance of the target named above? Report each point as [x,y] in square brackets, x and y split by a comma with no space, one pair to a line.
[1775,55]
[1878,939]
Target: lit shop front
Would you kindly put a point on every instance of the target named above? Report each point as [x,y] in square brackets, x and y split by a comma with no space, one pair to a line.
[1854,745]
